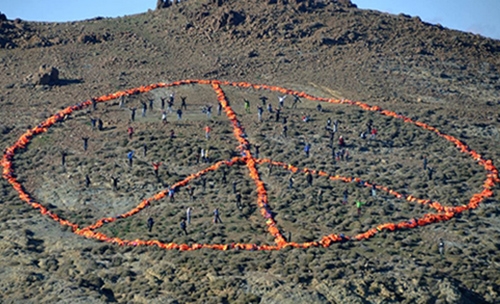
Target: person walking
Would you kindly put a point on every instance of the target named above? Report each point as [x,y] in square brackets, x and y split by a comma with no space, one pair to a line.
[217,218]
[281,100]
[87,181]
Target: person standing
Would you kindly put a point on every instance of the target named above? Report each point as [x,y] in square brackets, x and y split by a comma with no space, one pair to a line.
[132,114]
[285,129]
[238,200]
[151,101]
[247,105]
[307,148]
[260,110]
[281,100]
[87,181]
[441,247]
[188,215]
[183,226]
[171,194]
[85,143]
[164,117]
[374,191]
[144,149]
[144,108]
[156,166]
[358,207]
[425,162]
[183,103]
[100,125]
[151,222]
[130,132]
[345,194]
[207,132]
[263,99]
[309,178]
[63,158]
[179,114]
[130,156]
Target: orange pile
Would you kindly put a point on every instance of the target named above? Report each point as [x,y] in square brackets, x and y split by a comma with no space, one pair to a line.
[443,213]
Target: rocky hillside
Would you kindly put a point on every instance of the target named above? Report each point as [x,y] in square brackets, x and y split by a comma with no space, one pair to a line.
[330,48]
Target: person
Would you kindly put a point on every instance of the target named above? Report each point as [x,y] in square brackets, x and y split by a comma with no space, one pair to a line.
[122,101]
[209,112]
[362,135]
[132,114]
[164,117]
[373,133]
[191,192]
[346,152]
[260,110]
[290,182]
[63,157]
[335,126]
[203,183]
[219,108]
[217,216]
[151,101]
[309,178]
[328,123]
[151,222]
[171,99]
[207,132]
[94,104]
[171,194]
[369,125]
[224,175]
[374,190]
[307,148]
[183,226]
[319,108]
[285,129]
[320,196]
[305,118]
[285,118]
[296,100]
[183,103]
[281,100]
[263,99]
[179,114]
[115,182]
[130,156]
[358,207]
[238,200]
[85,143]
[247,105]
[87,180]
[341,141]
[188,215]
[441,247]
[144,149]
[278,112]
[93,121]
[130,132]
[172,134]
[257,151]
[156,166]
[234,187]
[100,125]
[345,194]
[202,153]
[430,171]
[144,108]
[425,162]
[162,103]
[270,108]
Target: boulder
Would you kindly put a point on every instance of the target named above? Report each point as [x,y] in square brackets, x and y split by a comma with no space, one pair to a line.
[47,75]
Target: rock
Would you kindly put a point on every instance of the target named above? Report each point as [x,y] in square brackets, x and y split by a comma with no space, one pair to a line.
[3,17]
[87,38]
[162,4]
[47,75]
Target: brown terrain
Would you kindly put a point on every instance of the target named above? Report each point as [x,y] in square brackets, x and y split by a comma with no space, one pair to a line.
[444,78]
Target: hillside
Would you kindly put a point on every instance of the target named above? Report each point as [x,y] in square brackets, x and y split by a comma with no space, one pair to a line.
[328,49]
